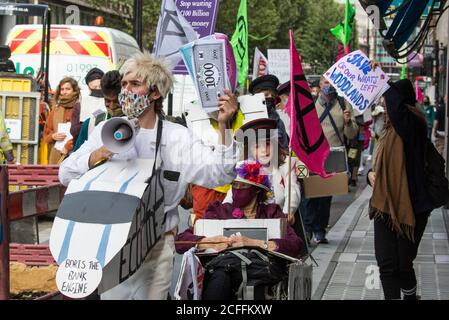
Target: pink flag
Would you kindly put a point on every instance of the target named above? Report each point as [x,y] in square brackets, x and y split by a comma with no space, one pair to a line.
[419,94]
[307,139]
[231,66]
[342,51]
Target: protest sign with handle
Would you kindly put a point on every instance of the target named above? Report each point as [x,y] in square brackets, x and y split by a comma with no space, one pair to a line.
[356,81]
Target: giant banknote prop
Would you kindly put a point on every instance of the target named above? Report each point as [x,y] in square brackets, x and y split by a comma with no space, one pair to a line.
[106,225]
[211,65]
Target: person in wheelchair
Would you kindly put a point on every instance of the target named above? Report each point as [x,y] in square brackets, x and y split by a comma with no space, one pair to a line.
[224,278]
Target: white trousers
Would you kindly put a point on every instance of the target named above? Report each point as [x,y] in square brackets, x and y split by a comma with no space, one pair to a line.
[153,279]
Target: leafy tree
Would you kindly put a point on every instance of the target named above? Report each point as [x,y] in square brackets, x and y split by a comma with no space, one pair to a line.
[269,22]
[264,21]
[316,44]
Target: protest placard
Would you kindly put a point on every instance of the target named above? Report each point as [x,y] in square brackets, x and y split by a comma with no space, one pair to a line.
[202,16]
[279,61]
[354,79]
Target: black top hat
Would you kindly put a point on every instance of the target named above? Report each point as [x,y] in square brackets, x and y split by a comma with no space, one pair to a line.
[263,83]
[263,129]
[284,88]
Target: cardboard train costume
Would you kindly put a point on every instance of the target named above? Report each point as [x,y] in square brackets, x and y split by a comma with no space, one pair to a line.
[111,217]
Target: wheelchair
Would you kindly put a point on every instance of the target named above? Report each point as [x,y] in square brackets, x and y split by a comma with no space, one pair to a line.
[295,284]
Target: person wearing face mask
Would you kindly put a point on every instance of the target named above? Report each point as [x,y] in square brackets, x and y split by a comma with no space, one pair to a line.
[95,99]
[183,159]
[249,194]
[338,122]
[268,86]
[65,101]
[263,147]
[429,111]
[315,90]
[110,87]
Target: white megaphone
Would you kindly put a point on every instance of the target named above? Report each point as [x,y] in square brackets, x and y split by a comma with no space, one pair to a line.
[119,134]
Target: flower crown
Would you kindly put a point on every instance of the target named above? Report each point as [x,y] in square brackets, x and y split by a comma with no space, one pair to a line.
[254,172]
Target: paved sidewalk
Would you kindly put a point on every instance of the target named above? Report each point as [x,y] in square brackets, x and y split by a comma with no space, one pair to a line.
[348,269]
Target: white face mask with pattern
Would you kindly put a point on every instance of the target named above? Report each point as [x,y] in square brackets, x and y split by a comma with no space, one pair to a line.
[132,104]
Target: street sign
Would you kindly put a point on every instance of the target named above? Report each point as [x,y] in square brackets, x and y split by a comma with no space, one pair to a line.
[14,129]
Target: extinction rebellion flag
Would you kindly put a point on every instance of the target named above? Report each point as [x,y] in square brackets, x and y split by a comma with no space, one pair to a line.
[239,42]
[307,139]
[173,31]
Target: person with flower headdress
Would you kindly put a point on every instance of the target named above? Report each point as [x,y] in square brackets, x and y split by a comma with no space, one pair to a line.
[261,144]
[249,193]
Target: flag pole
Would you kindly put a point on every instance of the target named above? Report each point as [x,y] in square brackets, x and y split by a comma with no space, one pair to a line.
[290,215]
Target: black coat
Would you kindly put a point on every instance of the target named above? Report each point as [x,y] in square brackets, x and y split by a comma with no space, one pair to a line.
[414,135]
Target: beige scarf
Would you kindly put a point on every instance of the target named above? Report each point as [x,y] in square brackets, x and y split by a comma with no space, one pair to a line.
[69,101]
[391,197]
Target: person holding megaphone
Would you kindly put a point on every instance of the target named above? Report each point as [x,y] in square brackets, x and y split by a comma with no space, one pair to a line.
[146,81]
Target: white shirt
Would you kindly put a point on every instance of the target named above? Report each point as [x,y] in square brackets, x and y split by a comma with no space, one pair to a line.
[281,187]
[181,153]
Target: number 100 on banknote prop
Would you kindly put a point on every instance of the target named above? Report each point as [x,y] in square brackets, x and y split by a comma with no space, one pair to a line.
[206,61]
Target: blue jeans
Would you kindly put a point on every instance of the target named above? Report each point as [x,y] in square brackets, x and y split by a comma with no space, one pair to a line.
[315,214]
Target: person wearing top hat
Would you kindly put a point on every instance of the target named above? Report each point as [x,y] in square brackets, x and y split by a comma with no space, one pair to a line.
[400,205]
[223,276]
[260,144]
[93,81]
[250,192]
[284,93]
[268,85]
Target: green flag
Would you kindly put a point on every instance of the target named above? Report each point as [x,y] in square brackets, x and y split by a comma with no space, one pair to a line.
[404,71]
[344,30]
[239,42]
